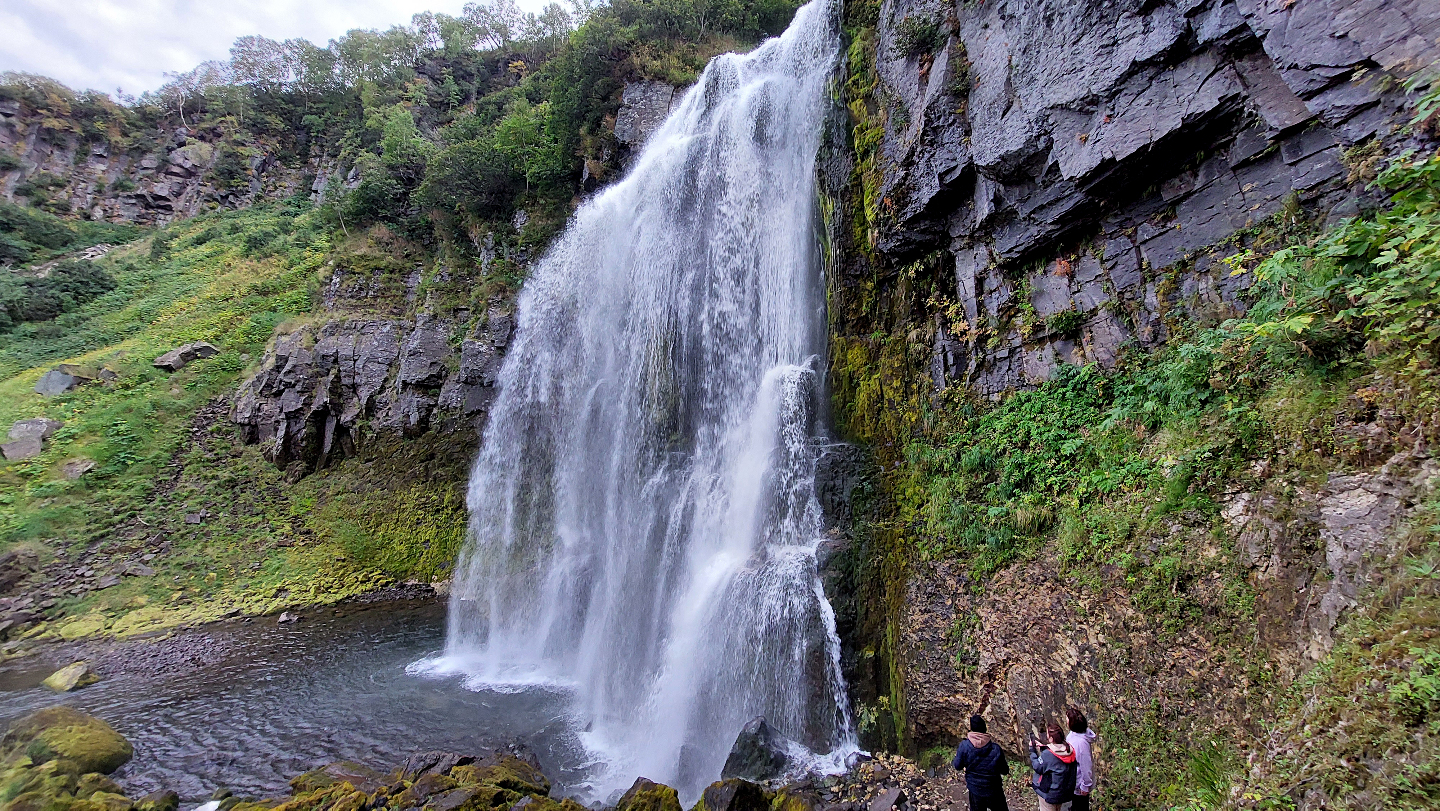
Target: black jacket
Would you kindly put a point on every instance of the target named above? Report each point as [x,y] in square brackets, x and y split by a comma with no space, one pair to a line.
[983,767]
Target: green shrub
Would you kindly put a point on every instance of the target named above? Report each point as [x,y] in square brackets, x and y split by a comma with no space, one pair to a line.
[918,34]
[68,285]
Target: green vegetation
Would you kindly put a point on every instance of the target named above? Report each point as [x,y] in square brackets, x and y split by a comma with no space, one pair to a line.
[66,286]
[163,449]
[27,234]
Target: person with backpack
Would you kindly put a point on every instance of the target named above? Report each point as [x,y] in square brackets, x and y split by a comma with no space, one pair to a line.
[1080,738]
[984,764]
[1054,767]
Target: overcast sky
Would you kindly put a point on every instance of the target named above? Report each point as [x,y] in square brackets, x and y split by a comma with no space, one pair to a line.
[105,44]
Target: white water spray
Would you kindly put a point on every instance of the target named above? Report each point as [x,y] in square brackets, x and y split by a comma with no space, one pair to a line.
[643,512]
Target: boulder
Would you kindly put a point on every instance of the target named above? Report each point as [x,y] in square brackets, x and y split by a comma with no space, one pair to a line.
[733,794]
[158,801]
[15,565]
[27,448]
[60,380]
[79,743]
[176,359]
[760,753]
[647,795]
[41,428]
[71,677]
[518,774]
[287,617]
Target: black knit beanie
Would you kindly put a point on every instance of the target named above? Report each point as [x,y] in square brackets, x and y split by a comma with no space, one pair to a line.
[977,724]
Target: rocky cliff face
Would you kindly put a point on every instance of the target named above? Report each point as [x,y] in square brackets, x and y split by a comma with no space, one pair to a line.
[165,175]
[1083,167]
[1072,176]
[380,360]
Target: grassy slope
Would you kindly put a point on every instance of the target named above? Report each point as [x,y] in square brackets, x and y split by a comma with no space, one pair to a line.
[164,447]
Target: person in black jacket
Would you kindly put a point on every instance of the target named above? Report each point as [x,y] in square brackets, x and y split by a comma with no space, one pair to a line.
[983,763]
[1055,768]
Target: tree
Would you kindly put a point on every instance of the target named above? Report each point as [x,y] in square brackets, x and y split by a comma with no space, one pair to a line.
[498,23]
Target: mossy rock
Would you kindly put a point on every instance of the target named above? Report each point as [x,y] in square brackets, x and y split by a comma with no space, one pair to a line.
[733,794]
[787,800]
[158,801]
[473,798]
[505,771]
[71,677]
[88,625]
[331,797]
[358,775]
[535,802]
[647,795]
[82,742]
[91,783]
[422,789]
[111,801]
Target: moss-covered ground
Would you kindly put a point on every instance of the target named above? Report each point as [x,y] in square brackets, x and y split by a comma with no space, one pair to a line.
[163,449]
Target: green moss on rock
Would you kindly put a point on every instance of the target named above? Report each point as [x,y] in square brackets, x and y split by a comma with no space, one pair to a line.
[647,795]
[82,743]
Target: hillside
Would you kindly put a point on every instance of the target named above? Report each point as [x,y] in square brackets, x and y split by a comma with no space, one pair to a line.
[1132,337]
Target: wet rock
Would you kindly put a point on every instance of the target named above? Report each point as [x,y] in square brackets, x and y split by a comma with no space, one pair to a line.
[733,795]
[759,753]
[71,677]
[79,742]
[647,795]
[287,617]
[178,358]
[358,775]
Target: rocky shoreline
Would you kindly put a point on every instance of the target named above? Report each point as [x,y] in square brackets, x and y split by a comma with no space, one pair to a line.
[59,759]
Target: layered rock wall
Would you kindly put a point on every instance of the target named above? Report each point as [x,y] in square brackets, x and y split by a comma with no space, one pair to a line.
[326,385]
[1084,166]
[163,176]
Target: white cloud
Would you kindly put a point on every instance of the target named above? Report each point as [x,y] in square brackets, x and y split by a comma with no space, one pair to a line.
[129,44]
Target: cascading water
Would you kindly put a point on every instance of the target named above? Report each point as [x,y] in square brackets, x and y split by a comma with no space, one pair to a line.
[643,512]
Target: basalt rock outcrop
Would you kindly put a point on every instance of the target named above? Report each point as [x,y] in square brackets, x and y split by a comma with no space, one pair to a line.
[167,174]
[321,389]
[1083,167]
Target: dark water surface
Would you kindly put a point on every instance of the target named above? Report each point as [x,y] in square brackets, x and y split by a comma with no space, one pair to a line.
[247,706]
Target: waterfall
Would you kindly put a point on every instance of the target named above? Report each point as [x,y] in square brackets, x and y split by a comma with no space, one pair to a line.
[643,510]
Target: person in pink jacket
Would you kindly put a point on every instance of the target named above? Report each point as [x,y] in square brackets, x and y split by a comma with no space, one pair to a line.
[1080,737]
